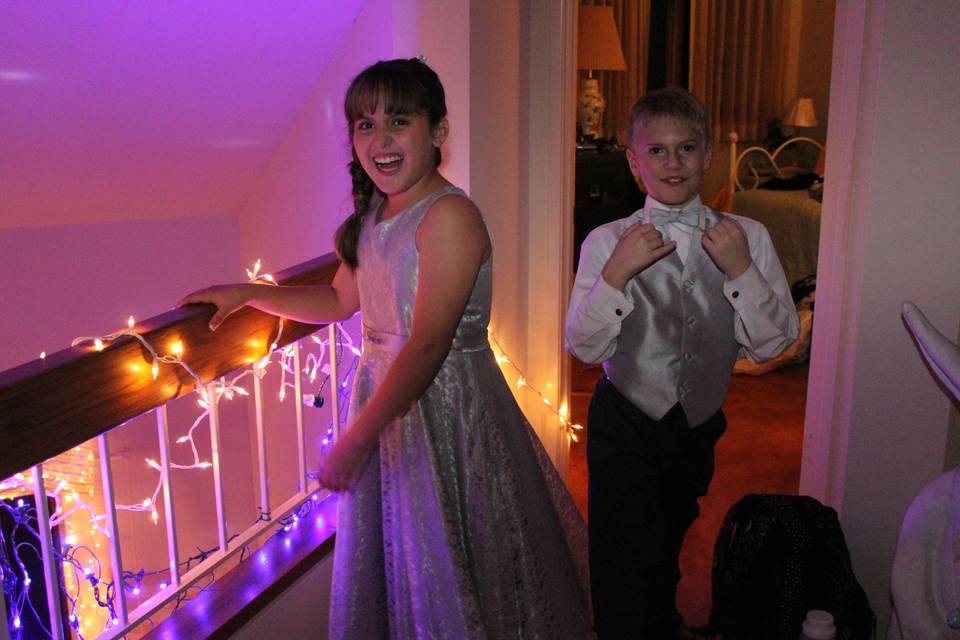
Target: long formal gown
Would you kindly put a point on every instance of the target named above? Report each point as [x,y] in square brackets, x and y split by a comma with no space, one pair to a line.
[458,527]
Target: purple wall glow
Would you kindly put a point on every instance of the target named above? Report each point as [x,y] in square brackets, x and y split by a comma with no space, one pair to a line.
[82,280]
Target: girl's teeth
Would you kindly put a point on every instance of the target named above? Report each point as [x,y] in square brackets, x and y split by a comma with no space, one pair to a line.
[386,160]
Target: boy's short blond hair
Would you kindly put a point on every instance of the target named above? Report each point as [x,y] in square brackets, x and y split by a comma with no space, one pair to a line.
[672,103]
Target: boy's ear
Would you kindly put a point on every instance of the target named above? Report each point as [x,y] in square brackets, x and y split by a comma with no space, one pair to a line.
[708,157]
[632,161]
[440,132]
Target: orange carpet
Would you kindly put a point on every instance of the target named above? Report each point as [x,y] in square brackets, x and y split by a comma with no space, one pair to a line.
[759,453]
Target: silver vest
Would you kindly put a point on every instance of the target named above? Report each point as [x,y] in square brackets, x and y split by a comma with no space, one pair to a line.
[678,344]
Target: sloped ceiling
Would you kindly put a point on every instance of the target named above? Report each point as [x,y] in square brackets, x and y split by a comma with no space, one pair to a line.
[143,109]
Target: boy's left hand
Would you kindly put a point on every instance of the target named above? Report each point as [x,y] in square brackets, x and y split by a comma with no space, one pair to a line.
[727,246]
[340,467]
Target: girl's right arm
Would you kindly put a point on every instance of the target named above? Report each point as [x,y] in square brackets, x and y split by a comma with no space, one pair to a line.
[312,304]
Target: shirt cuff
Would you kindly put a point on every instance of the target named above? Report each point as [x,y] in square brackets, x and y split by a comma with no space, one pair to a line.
[607,304]
[749,287]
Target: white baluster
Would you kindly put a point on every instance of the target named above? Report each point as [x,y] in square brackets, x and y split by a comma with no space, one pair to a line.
[163,435]
[298,402]
[110,510]
[334,380]
[261,445]
[50,573]
[213,408]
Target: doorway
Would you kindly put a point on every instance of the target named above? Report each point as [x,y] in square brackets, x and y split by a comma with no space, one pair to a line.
[766,411]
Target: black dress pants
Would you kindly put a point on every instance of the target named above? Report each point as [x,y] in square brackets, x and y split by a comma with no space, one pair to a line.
[645,478]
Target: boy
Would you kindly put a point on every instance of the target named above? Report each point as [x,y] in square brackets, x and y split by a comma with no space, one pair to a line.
[665,298]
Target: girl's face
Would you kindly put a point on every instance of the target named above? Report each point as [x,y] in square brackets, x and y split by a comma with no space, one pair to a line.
[398,153]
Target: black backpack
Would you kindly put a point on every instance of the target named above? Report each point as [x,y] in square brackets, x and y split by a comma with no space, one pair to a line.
[777,557]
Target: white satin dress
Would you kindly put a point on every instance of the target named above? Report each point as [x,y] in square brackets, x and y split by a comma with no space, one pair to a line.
[459,526]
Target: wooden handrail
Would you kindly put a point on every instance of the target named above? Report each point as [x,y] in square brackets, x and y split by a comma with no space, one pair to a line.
[49,406]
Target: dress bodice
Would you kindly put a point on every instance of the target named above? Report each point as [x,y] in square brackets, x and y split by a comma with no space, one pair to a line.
[388,271]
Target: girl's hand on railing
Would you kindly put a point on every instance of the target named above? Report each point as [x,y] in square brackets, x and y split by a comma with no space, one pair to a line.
[227,298]
[340,467]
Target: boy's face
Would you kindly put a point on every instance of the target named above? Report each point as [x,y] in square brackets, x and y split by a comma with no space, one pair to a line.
[670,157]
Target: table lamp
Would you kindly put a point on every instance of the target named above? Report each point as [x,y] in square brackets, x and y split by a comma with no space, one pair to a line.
[598,49]
[800,113]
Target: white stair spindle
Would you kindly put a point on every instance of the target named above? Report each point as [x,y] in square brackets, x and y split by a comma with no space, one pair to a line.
[298,401]
[334,380]
[110,511]
[261,446]
[50,565]
[214,415]
[163,435]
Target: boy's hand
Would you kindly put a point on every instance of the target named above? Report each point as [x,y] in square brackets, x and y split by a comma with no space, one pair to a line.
[727,246]
[640,246]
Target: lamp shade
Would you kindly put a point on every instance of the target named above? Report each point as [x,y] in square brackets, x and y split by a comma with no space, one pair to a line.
[599,41]
[800,113]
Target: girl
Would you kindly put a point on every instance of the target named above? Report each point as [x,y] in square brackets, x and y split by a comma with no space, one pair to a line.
[452,521]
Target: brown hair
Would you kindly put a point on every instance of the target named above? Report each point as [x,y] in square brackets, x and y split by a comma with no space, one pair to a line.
[673,103]
[406,86]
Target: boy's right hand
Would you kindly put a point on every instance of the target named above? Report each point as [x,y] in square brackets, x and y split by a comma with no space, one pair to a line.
[640,246]
[227,298]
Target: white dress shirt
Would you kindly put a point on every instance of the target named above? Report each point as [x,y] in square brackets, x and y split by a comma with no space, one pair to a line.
[765,316]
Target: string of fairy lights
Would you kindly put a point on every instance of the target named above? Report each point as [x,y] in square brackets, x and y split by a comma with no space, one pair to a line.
[87,586]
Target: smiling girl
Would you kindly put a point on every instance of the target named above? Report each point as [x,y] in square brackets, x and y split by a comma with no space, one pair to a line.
[452,521]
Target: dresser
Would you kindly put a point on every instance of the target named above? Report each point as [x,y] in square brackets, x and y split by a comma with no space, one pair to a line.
[605,190]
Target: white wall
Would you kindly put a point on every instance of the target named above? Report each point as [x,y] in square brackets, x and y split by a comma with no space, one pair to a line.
[66,281]
[876,422]
[521,170]
[305,193]
[301,612]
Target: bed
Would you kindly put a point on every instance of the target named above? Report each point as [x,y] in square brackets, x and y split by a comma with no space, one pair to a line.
[792,216]
[778,188]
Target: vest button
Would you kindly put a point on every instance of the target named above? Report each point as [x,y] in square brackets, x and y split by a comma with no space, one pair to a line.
[687,356]
[688,284]
[691,320]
